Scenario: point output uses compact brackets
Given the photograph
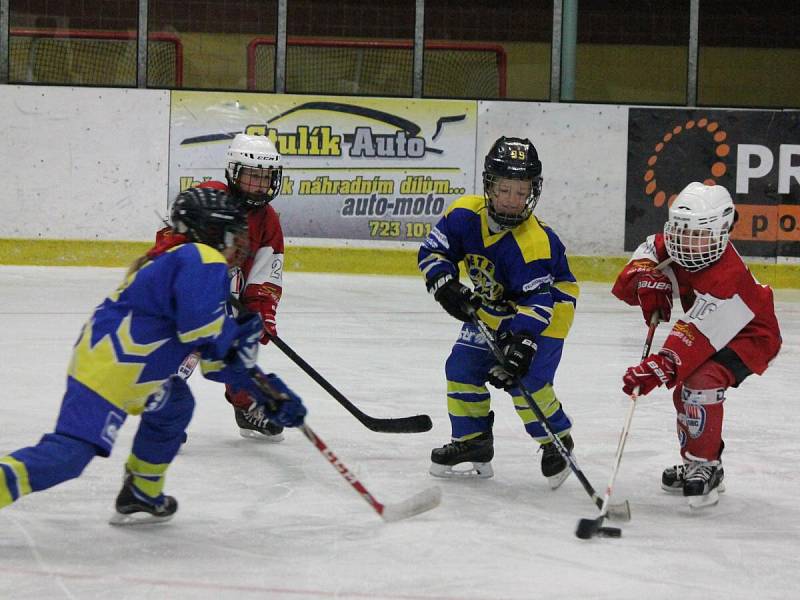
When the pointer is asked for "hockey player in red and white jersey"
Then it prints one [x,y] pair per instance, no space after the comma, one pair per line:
[254,175]
[728,332]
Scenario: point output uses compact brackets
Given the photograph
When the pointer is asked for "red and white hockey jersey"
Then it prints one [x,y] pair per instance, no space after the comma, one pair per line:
[260,283]
[724,306]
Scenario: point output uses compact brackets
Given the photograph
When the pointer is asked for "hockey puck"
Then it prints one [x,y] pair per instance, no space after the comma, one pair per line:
[587,528]
[612,532]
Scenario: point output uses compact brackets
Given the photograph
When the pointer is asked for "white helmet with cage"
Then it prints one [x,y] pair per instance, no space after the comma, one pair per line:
[254,171]
[699,225]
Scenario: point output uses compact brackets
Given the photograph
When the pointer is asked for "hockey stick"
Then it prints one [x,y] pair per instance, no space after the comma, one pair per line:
[418,503]
[619,511]
[415,424]
[588,528]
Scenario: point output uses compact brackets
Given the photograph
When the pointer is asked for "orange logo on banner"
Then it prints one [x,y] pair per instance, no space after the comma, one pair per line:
[716,170]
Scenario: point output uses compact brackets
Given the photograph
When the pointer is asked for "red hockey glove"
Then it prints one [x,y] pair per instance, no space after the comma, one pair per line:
[654,291]
[268,316]
[263,298]
[653,371]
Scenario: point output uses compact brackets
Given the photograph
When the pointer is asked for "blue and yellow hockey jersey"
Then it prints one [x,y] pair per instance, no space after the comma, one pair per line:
[522,275]
[138,336]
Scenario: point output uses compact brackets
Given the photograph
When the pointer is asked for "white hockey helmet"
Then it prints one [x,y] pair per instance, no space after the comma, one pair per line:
[699,225]
[254,170]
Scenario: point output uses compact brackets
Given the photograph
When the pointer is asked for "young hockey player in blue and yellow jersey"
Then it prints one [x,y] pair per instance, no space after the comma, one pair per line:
[173,302]
[522,289]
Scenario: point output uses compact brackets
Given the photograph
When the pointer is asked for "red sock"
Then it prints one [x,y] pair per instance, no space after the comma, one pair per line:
[699,404]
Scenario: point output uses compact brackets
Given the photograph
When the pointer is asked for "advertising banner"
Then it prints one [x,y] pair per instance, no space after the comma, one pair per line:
[583,149]
[754,154]
[354,168]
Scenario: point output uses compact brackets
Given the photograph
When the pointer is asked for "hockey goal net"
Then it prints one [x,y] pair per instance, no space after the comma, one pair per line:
[88,57]
[379,67]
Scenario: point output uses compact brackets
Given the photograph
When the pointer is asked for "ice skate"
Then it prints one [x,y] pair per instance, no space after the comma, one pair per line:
[554,467]
[133,508]
[703,483]
[672,479]
[255,425]
[478,452]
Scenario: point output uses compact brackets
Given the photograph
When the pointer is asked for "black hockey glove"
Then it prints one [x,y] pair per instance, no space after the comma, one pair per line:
[519,351]
[456,298]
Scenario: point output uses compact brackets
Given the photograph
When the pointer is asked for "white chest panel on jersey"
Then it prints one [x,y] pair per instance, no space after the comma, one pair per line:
[719,319]
[267,268]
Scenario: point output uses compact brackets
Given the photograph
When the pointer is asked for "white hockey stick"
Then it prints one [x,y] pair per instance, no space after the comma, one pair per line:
[588,528]
[418,503]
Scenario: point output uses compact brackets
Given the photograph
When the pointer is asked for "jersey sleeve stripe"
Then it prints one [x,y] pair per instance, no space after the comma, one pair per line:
[209,330]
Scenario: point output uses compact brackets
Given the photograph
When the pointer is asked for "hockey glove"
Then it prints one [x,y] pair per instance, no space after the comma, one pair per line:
[653,371]
[456,298]
[519,351]
[280,404]
[264,298]
[654,291]
[284,406]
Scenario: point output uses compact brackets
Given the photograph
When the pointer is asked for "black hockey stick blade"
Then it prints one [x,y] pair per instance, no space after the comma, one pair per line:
[413,424]
[589,528]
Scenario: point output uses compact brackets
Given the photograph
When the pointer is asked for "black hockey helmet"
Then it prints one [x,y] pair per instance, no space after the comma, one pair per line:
[512,158]
[209,216]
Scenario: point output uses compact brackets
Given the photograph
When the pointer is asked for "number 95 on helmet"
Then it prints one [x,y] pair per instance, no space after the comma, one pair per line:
[512,181]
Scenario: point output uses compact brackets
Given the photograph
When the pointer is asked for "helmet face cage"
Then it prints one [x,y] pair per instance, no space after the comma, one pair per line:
[254,170]
[699,225]
[506,220]
[694,249]
[512,158]
[263,183]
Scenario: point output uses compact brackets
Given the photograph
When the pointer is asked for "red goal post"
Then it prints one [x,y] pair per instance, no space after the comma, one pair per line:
[380,67]
[92,57]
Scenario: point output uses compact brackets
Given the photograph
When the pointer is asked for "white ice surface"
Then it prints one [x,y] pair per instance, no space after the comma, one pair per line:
[276,521]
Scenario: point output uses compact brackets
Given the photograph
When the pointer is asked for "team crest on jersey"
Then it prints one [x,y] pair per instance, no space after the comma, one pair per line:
[481,271]
[111,428]
[695,419]
[156,401]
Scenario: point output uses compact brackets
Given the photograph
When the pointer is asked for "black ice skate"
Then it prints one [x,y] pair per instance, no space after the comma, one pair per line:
[133,508]
[479,451]
[703,483]
[672,479]
[255,425]
[554,467]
